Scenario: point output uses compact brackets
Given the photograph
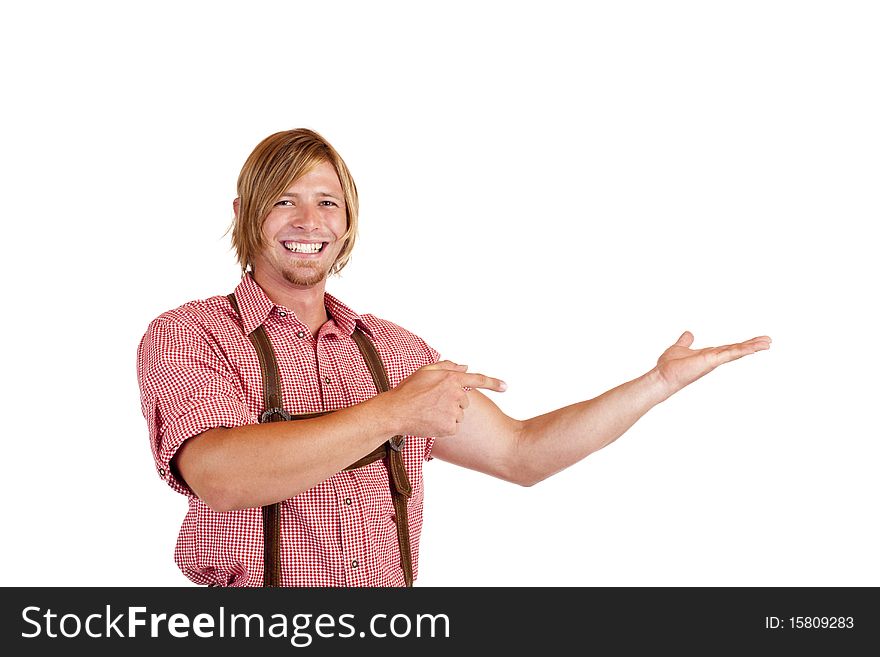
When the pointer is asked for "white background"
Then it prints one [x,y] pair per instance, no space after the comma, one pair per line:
[551,192]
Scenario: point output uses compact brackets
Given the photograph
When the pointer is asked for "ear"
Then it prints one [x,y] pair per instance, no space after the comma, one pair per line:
[236,202]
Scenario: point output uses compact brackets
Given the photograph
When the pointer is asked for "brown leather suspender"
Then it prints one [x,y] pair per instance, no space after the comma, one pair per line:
[390,450]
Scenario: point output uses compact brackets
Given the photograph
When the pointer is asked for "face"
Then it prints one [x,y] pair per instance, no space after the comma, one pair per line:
[302,234]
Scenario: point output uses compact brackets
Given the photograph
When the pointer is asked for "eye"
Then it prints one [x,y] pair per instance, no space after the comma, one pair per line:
[329,204]
[284,204]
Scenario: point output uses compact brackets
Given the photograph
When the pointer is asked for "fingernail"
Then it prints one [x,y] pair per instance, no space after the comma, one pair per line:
[503,386]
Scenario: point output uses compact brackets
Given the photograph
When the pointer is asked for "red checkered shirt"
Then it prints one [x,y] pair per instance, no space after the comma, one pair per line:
[198,370]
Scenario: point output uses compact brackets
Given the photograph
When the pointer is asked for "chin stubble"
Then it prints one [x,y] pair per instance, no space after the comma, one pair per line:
[312,276]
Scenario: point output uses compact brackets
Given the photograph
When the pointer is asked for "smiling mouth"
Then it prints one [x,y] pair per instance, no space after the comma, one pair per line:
[304,247]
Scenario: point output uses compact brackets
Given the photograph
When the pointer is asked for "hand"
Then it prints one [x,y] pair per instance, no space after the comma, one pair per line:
[680,365]
[431,401]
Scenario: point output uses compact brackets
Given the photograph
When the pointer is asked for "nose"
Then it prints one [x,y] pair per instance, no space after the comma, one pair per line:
[308,218]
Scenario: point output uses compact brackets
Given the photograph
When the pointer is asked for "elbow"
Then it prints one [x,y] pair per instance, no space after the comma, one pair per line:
[528,479]
[222,498]
[223,507]
[220,501]
[220,493]
[210,488]
[215,495]
[522,469]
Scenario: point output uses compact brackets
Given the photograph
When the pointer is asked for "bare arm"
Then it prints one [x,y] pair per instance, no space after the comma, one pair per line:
[526,452]
[260,464]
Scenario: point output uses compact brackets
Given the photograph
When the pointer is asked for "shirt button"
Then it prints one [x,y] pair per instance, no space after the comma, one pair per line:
[326,379]
[281,313]
[300,334]
[161,472]
[348,501]
[354,564]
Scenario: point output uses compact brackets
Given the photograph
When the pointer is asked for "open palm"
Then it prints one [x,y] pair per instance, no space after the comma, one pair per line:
[680,365]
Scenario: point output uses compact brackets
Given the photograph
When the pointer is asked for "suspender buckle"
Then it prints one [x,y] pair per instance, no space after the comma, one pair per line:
[397,447]
[269,412]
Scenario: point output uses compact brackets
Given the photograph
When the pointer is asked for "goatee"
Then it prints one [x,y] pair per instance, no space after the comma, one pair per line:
[304,275]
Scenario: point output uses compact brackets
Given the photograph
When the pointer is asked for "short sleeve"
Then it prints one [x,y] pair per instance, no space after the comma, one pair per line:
[186,389]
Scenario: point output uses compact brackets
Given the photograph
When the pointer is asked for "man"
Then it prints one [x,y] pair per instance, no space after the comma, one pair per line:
[335,498]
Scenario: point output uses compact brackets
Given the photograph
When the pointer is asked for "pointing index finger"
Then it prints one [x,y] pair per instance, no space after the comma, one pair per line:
[474,380]
[446,365]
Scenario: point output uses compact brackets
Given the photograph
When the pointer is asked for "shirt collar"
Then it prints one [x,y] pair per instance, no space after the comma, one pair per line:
[255,308]
[346,319]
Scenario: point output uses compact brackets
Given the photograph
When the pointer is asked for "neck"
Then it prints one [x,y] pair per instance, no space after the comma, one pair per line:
[306,302]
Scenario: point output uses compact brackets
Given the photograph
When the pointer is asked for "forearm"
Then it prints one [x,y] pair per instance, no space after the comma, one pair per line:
[260,464]
[551,442]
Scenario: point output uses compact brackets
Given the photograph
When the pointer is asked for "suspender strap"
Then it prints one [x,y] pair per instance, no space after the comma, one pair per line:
[391,450]
[274,413]
[399,482]
[380,378]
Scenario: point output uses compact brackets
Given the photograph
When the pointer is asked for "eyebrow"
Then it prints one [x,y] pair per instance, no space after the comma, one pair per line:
[333,196]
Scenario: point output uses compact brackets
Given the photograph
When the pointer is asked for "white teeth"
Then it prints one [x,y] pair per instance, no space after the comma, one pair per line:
[297,247]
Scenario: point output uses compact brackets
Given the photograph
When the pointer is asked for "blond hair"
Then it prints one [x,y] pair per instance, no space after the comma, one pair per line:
[274,165]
